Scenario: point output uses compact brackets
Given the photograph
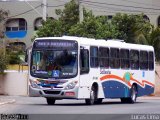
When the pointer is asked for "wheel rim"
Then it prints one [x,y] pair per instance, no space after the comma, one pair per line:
[92,97]
[134,95]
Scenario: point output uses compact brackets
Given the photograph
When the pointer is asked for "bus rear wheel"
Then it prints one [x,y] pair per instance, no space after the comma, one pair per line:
[124,100]
[98,101]
[50,101]
[133,96]
[92,98]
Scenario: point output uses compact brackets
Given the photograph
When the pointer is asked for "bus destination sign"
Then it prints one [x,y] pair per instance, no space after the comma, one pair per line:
[55,44]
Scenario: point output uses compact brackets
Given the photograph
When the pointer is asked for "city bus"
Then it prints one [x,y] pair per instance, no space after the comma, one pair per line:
[70,67]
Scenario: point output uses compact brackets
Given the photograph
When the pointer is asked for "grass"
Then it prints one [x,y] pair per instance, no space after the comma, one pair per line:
[16,67]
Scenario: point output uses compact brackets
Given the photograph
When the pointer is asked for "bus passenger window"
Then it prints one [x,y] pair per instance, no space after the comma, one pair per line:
[124,56]
[143,60]
[84,61]
[151,61]
[104,57]
[134,59]
[114,58]
[94,57]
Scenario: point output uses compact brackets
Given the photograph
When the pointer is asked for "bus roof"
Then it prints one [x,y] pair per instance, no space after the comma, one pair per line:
[101,42]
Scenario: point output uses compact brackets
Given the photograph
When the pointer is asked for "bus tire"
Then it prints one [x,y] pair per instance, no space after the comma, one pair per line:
[50,101]
[92,98]
[133,97]
[124,100]
[98,101]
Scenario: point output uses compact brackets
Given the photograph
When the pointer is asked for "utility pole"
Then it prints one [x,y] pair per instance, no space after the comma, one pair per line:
[44,10]
[80,11]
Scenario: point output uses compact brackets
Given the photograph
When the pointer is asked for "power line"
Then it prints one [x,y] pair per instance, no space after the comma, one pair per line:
[114,9]
[118,9]
[116,12]
[25,12]
[56,5]
[120,5]
[142,3]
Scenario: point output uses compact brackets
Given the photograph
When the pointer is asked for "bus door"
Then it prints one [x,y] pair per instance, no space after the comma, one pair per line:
[84,72]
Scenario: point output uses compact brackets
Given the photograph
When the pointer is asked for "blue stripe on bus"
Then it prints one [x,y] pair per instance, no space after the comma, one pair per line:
[115,89]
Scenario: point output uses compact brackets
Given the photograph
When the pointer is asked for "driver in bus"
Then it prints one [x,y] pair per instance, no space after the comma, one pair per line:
[42,64]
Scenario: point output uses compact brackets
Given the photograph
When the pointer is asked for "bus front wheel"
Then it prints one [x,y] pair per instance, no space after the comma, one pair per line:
[92,98]
[50,101]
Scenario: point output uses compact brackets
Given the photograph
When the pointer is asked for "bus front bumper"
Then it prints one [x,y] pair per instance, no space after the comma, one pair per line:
[54,93]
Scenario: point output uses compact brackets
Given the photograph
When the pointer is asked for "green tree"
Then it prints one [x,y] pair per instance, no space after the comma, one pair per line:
[51,28]
[154,40]
[3,61]
[3,58]
[67,18]
[3,16]
[70,15]
[94,27]
[132,28]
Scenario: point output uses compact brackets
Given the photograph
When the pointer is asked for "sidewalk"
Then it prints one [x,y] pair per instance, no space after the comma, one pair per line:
[150,97]
[6,101]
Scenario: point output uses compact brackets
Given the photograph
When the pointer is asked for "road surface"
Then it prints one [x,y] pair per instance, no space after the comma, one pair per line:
[38,105]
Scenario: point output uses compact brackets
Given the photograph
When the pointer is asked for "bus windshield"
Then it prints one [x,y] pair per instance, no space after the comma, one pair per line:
[54,63]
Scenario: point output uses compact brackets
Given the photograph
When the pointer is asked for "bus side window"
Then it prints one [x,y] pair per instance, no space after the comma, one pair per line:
[134,59]
[114,60]
[84,61]
[151,61]
[104,57]
[93,57]
[124,55]
[143,60]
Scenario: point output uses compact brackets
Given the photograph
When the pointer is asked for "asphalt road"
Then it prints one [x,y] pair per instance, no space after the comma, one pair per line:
[77,109]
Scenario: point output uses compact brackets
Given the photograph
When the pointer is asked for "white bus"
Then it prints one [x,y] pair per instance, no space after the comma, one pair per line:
[83,68]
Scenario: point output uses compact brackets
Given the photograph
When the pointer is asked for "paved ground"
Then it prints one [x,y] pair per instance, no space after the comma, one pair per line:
[77,109]
[6,100]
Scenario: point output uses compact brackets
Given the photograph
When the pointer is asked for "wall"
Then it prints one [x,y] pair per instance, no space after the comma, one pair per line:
[14,83]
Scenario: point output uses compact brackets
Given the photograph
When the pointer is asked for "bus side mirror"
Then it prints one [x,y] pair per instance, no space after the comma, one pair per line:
[26,56]
[84,61]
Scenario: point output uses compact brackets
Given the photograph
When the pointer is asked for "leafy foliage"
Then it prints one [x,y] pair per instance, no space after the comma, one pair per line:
[14,54]
[154,40]
[94,27]
[67,18]
[3,16]
[132,28]
[51,28]
[3,61]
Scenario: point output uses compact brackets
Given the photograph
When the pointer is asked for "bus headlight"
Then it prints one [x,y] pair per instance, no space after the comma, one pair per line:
[34,84]
[71,85]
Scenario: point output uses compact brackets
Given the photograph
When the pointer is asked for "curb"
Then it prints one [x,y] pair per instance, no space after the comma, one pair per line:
[149,97]
[7,102]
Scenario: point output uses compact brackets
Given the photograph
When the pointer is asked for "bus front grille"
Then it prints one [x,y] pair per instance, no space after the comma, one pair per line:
[52,92]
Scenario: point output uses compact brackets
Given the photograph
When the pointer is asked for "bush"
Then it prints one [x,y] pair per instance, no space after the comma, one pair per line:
[3,61]
[14,58]
[14,54]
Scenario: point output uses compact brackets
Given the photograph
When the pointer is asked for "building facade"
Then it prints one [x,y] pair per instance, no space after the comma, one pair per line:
[25,16]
